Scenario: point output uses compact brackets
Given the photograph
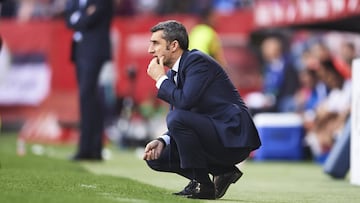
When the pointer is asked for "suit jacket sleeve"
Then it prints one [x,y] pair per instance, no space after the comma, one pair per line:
[195,75]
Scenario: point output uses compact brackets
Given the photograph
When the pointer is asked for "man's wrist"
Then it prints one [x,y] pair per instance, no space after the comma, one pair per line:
[161,140]
[166,138]
[160,81]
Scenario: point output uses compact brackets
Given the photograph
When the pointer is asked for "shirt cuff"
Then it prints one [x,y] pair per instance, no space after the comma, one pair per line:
[74,18]
[160,81]
[166,138]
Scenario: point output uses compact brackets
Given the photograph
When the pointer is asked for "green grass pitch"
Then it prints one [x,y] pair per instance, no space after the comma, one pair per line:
[50,177]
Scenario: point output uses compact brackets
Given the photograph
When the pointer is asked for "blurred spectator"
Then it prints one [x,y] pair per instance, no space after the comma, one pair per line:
[204,37]
[332,112]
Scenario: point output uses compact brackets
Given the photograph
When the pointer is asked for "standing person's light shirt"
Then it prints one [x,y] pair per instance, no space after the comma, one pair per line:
[75,18]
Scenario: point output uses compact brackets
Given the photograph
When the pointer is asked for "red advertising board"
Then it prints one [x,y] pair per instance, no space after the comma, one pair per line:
[284,12]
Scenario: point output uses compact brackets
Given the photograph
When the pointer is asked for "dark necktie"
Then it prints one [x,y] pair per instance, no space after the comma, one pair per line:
[173,74]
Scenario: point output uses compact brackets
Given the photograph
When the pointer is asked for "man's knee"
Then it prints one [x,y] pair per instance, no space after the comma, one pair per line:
[175,119]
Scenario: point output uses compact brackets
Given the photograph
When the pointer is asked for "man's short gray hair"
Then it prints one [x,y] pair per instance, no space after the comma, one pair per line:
[173,30]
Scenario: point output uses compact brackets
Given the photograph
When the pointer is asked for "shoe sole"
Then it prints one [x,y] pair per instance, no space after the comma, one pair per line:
[234,179]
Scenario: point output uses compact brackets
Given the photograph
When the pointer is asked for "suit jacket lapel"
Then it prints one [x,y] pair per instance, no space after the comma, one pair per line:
[181,69]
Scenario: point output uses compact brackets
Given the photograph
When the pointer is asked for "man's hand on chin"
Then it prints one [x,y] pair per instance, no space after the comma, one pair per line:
[156,68]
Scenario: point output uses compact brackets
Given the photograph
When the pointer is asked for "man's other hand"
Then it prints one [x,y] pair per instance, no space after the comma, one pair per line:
[153,150]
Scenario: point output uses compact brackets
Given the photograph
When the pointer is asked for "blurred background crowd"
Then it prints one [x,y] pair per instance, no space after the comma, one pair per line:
[48,9]
[303,71]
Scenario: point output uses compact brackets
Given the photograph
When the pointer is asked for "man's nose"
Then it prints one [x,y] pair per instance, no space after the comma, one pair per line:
[151,50]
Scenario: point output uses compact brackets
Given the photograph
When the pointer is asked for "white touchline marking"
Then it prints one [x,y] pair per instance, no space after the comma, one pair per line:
[88,186]
[121,199]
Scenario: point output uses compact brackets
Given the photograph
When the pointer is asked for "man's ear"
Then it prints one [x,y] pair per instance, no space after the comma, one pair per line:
[174,46]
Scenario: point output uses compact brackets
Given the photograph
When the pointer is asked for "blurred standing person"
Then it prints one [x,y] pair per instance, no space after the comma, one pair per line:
[204,37]
[91,21]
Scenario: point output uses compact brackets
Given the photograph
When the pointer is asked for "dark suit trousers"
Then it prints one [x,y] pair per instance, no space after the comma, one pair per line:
[91,112]
[195,144]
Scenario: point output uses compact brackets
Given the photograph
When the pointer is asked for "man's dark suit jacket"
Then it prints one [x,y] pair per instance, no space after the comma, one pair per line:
[203,87]
[95,43]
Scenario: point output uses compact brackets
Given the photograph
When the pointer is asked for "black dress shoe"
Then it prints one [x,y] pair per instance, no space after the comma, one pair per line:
[79,157]
[203,191]
[223,181]
[188,190]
